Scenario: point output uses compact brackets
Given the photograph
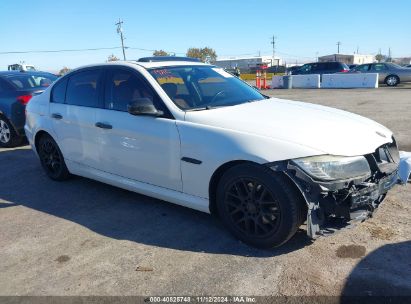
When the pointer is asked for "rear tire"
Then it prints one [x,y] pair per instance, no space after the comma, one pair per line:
[392,80]
[52,159]
[258,206]
[8,136]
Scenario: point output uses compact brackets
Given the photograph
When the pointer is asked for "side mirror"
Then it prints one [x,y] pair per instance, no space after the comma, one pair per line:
[143,106]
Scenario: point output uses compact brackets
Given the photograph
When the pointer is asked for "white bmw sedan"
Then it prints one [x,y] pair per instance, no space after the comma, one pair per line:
[194,135]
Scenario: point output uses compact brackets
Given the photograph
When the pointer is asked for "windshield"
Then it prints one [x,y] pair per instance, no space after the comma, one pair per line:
[203,87]
[23,81]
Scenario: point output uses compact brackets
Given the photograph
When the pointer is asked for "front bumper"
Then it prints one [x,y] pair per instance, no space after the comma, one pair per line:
[337,204]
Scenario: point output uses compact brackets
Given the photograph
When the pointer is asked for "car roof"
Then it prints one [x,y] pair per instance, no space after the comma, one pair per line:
[324,62]
[158,64]
[20,73]
[167,58]
[146,65]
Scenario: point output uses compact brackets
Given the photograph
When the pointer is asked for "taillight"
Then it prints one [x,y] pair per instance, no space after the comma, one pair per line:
[24,99]
[344,71]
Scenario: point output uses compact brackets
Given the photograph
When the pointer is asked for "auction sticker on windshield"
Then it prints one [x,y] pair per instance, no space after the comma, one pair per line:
[222,72]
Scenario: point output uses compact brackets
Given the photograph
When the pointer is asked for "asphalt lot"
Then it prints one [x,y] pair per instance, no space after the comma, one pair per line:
[82,237]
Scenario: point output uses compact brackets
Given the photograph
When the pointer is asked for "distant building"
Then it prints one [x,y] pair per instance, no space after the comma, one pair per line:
[348,59]
[402,60]
[247,62]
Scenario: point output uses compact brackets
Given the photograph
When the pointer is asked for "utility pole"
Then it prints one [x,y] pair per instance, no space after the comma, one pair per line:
[120,31]
[358,49]
[338,47]
[273,43]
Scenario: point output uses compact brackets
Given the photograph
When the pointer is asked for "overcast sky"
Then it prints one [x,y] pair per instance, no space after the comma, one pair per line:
[231,27]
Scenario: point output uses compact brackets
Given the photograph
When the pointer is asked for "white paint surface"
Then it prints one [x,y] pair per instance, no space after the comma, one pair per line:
[349,80]
[311,81]
[277,82]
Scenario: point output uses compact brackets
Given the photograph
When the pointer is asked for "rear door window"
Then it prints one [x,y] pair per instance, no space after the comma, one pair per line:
[362,68]
[83,88]
[333,66]
[378,67]
[306,68]
[315,67]
[58,95]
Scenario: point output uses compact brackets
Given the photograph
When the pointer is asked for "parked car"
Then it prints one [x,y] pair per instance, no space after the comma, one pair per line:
[389,73]
[291,70]
[16,89]
[322,68]
[408,66]
[194,135]
[352,66]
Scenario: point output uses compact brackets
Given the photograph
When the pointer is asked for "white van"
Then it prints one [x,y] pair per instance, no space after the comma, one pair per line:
[21,67]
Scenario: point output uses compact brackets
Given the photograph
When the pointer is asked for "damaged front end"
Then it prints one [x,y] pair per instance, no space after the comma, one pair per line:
[335,200]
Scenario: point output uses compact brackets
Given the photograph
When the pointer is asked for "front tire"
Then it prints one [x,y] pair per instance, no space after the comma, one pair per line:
[52,159]
[392,80]
[258,206]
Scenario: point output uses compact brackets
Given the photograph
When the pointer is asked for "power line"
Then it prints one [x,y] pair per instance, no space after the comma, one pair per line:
[59,51]
[139,49]
[79,50]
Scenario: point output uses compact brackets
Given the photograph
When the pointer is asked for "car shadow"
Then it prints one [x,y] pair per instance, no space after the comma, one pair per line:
[382,276]
[121,214]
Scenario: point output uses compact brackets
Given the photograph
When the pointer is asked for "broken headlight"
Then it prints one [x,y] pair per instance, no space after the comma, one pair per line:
[330,167]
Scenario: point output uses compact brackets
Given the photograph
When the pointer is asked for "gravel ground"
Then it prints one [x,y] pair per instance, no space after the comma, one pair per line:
[82,237]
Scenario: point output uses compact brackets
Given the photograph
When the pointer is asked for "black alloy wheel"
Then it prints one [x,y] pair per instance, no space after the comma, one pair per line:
[252,207]
[260,207]
[51,158]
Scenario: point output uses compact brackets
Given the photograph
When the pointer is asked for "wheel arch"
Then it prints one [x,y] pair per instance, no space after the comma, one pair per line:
[219,172]
[38,135]
[215,178]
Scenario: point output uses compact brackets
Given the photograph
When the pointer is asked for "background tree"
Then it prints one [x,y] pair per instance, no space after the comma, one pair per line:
[63,71]
[112,57]
[160,53]
[380,57]
[203,54]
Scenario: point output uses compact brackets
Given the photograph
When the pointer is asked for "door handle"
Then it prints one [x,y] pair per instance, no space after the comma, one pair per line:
[56,116]
[103,125]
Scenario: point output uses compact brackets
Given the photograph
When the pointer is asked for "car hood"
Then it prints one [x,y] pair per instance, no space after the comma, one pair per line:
[325,129]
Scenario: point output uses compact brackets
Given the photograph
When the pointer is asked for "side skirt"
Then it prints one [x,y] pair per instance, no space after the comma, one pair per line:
[172,196]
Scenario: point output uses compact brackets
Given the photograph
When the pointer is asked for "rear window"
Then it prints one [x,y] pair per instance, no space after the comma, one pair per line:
[333,66]
[25,81]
